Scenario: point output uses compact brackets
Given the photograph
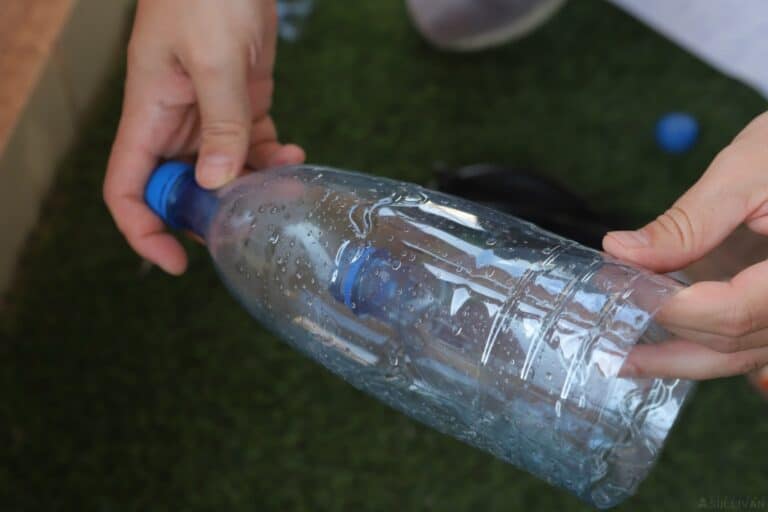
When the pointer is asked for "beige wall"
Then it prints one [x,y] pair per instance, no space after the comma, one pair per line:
[54,56]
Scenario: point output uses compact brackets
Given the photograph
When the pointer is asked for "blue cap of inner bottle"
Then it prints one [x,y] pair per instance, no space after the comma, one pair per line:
[162,182]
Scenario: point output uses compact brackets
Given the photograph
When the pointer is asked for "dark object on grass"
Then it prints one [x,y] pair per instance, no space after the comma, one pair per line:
[530,196]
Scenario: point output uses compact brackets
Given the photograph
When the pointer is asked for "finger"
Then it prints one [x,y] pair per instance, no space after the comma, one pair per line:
[288,154]
[735,309]
[220,79]
[132,160]
[266,151]
[689,360]
[722,342]
[729,192]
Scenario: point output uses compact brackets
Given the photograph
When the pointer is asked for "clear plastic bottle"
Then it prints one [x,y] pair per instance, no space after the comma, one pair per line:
[476,323]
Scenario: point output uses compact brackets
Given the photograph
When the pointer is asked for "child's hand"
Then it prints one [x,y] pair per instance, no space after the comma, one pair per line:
[199,82]
[722,326]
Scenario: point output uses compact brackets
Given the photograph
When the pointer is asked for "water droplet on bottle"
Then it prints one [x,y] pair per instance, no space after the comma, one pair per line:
[548,375]
[491,242]
[273,210]
[274,238]
[396,264]
[582,401]
[261,209]
[558,408]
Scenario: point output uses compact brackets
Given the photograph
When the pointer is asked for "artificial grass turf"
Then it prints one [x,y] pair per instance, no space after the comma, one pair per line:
[122,391]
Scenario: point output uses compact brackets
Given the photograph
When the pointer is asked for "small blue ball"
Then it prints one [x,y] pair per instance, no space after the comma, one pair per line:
[676,132]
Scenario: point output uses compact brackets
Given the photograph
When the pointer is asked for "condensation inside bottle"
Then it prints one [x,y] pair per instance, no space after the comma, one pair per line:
[476,323]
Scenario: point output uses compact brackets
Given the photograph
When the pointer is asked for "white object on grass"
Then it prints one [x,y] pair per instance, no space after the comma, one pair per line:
[732,36]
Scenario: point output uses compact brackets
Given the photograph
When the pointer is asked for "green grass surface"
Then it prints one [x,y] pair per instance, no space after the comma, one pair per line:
[121,391]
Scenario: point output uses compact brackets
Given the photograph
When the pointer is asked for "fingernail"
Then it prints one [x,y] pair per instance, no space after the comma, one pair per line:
[217,169]
[279,160]
[763,378]
[631,239]
[628,371]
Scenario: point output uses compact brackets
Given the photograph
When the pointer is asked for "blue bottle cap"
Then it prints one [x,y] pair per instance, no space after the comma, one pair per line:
[162,182]
[676,132]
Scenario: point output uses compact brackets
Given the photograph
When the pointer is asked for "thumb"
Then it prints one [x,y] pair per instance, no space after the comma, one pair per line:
[697,223]
[221,86]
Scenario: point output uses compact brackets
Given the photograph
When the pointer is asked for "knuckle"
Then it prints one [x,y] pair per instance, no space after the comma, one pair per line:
[677,223]
[737,322]
[207,63]
[224,129]
[133,51]
[738,364]
[137,50]
[729,345]
[108,195]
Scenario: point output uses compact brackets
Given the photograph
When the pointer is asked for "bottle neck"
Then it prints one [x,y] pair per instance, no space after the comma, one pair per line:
[191,207]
